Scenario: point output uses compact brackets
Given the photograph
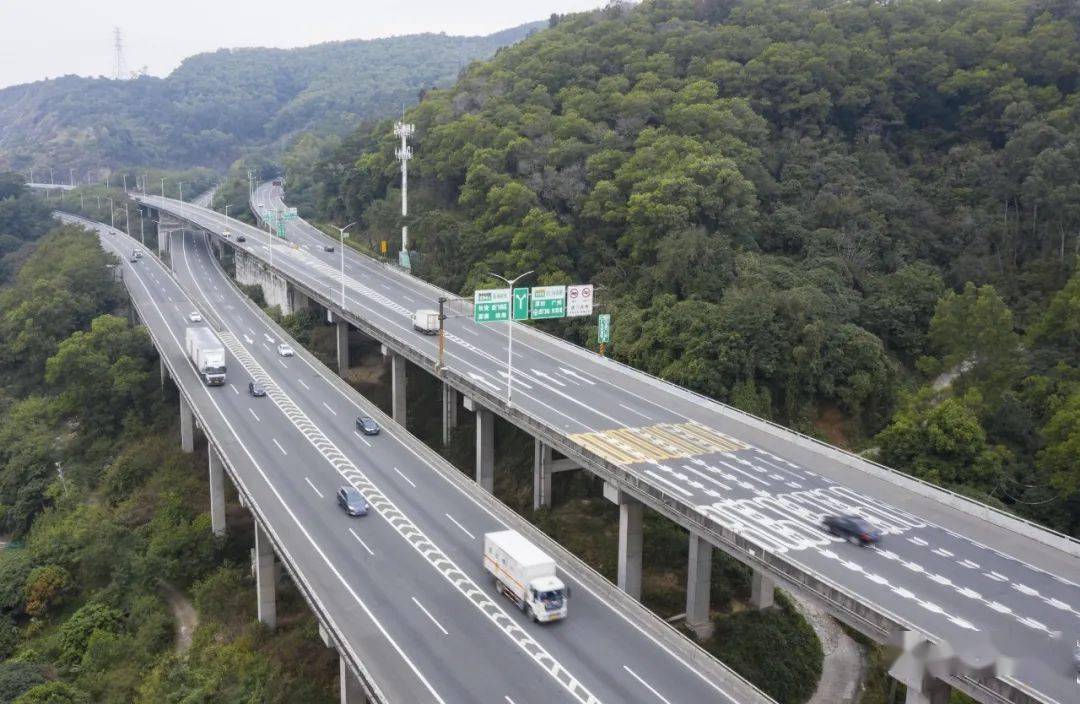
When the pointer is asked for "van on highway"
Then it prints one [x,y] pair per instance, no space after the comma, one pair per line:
[426,321]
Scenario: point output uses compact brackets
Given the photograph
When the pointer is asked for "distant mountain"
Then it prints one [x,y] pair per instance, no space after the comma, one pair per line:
[215,105]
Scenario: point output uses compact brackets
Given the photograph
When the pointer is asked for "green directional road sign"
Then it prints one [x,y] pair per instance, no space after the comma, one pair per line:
[548,302]
[521,304]
[491,305]
[603,333]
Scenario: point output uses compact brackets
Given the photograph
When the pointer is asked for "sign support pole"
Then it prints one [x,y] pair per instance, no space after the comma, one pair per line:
[510,335]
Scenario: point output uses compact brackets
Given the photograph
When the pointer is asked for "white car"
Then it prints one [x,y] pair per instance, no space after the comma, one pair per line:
[195,316]
[285,350]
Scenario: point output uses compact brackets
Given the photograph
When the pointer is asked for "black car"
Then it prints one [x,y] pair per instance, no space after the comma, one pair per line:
[352,501]
[241,238]
[367,425]
[256,389]
[328,248]
[854,528]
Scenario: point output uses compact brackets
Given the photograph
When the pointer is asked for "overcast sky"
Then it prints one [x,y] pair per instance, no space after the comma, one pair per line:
[50,38]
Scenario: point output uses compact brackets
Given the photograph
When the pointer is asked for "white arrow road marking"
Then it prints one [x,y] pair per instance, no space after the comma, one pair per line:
[481,380]
[552,379]
[571,372]
[519,382]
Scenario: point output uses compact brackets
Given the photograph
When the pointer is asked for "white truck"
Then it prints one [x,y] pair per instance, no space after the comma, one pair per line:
[206,352]
[526,575]
[426,321]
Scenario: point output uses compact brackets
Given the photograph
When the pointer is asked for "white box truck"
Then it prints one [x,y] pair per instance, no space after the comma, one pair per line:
[426,321]
[526,575]
[206,352]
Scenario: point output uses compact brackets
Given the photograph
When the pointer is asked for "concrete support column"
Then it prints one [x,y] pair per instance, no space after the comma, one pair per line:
[397,386]
[265,578]
[187,426]
[351,693]
[541,474]
[697,587]
[485,445]
[762,589]
[342,346]
[164,372]
[450,412]
[628,573]
[217,491]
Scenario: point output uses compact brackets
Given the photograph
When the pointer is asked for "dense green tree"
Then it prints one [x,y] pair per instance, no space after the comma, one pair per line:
[16,677]
[55,692]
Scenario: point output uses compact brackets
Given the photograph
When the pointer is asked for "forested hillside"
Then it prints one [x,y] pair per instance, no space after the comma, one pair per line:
[104,522]
[214,105]
[859,218]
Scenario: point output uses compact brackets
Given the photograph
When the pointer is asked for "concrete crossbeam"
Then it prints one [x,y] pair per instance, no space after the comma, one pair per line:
[265,578]
[217,491]
[698,582]
[187,426]
[628,572]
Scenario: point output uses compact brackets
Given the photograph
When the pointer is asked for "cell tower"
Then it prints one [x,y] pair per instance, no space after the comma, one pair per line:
[404,153]
[118,46]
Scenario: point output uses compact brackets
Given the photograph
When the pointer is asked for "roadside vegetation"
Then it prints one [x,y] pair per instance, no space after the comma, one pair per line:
[101,507]
[860,219]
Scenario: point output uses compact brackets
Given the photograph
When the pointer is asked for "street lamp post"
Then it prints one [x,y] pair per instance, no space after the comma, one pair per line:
[510,334]
[112,213]
[341,233]
[72,176]
[181,199]
[225,220]
[162,188]
[142,232]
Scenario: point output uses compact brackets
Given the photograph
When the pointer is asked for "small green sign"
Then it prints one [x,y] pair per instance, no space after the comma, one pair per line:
[548,302]
[603,333]
[521,304]
[491,305]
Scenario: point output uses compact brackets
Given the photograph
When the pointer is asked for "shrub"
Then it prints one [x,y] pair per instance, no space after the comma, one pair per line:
[77,630]
[222,596]
[44,588]
[9,636]
[17,677]
[775,649]
[53,693]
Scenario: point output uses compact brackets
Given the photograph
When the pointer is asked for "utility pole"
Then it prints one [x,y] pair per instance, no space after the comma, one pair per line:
[118,47]
[510,334]
[404,153]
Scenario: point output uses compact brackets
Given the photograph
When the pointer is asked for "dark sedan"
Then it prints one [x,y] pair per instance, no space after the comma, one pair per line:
[352,501]
[367,425]
[854,529]
[256,389]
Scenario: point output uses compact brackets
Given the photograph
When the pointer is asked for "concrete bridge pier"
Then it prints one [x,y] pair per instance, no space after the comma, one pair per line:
[265,578]
[164,372]
[397,386]
[450,412]
[917,664]
[628,573]
[698,582]
[187,426]
[342,344]
[762,591]
[276,288]
[485,445]
[217,490]
[351,692]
